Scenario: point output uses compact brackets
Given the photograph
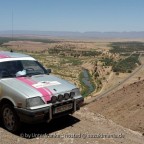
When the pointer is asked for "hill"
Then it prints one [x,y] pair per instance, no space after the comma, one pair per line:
[125,107]
[74,35]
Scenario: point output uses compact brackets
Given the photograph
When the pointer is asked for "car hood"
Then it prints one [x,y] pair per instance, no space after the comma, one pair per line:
[39,85]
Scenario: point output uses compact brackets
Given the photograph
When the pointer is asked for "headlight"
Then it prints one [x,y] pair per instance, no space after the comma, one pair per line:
[72,94]
[36,101]
[60,97]
[53,99]
[75,92]
[66,96]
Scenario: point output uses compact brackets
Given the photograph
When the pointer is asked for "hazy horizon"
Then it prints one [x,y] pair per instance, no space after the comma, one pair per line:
[70,34]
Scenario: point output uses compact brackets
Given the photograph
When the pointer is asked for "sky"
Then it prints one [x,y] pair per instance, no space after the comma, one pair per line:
[72,15]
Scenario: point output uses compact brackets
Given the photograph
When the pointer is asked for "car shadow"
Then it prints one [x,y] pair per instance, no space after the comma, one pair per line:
[38,130]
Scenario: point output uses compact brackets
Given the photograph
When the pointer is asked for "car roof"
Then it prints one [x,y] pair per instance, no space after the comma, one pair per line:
[8,56]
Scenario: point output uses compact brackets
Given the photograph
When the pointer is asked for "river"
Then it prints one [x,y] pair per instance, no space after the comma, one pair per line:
[86,80]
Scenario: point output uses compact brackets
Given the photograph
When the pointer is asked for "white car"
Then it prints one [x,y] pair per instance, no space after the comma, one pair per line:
[29,93]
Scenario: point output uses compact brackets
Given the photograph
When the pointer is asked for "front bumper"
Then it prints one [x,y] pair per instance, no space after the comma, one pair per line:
[46,114]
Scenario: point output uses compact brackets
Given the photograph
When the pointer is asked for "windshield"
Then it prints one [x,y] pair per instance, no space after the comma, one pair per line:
[20,68]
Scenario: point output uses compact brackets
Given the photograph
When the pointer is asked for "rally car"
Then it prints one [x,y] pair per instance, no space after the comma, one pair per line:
[30,94]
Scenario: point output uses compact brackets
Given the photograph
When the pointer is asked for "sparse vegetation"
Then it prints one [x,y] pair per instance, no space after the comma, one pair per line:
[126,65]
[71,51]
[126,47]
[7,39]
[108,62]
[70,60]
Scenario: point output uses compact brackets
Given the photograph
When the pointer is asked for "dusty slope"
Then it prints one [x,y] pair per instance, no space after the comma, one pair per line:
[84,122]
[125,107]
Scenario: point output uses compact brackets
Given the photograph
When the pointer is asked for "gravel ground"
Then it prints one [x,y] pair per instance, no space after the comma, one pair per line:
[83,127]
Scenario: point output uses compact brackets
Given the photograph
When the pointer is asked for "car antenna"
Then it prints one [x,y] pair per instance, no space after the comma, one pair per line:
[12,30]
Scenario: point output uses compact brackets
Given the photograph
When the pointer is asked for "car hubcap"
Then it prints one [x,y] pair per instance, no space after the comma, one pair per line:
[8,118]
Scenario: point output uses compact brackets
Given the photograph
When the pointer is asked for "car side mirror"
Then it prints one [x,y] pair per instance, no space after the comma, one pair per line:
[48,71]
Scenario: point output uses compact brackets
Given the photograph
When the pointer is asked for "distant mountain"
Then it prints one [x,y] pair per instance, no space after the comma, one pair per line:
[68,34]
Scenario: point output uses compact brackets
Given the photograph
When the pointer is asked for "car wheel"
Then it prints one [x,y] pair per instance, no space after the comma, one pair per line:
[10,119]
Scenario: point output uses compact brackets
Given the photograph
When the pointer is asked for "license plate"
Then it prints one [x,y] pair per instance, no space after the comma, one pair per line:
[63,108]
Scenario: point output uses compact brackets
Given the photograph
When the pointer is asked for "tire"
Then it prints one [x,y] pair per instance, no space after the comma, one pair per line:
[10,119]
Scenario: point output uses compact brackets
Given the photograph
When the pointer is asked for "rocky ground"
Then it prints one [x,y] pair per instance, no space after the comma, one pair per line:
[125,107]
[83,127]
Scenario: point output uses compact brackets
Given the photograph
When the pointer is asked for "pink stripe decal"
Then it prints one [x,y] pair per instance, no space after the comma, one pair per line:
[46,93]
[46,89]
[4,56]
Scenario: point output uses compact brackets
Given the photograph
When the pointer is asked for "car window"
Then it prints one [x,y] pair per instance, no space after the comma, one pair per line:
[10,68]
[31,65]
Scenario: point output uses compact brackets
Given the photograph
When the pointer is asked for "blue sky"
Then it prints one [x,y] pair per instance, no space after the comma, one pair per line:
[72,15]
